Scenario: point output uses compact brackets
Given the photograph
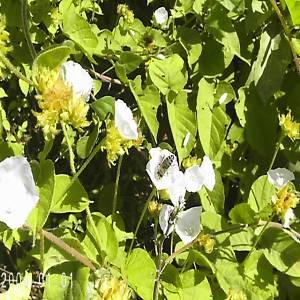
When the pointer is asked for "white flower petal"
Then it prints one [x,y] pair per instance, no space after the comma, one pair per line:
[78,78]
[188,225]
[208,173]
[288,217]
[161,15]
[124,121]
[177,189]
[160,56]
[193,179]
[280,177]
[18,192]
[164,217]
[158,155]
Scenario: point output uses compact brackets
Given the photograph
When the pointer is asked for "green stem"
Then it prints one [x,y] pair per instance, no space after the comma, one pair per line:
[281,136]
[116,187]
[141,218]
[91,220]
[25,27]
[14,70]
[71,153]
[158,271]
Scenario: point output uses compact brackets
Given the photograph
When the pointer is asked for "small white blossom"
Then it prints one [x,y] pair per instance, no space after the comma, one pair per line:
[161,15]
[280,177]
[288,218]
[124,121]
[18,192]
[155,166]
[186,223]
[195,177]
[160,56]
[77,78]
[177,189]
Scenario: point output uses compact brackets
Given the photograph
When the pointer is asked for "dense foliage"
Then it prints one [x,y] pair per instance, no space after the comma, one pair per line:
[199,81]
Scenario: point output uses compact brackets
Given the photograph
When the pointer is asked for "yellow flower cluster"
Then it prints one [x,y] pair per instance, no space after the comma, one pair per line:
[116,145]
[289,126]
[207,242]
[124,11]
[4,42]
[58,103]
[285,200]
[112,288]
[235,294]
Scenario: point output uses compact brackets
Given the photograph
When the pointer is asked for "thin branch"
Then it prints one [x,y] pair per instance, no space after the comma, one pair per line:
[105,78]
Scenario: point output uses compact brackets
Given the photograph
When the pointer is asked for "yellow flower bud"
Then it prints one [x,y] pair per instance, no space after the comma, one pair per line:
[236,294]
[289,126]
[154,208]
[112,288]
[207,242]
[191,161]
[124,11]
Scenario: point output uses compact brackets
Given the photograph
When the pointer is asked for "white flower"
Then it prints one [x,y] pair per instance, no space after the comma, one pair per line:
[280,177]
[288,217]
[177,189]
[162,168]
[195,177]
[18,192]
[77,78]
[161,15]
[124,121]
[186,223]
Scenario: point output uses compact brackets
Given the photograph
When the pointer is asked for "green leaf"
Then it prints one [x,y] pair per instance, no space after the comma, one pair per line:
[148,101]
[224,93]
[80,31]
[212,121]
[52,57]
[261,193]
[220,26]
[294,8]
[183,124]
[282,251]
[270,66]
[44,178]
[141,279]
[130,61]
[242,213]
[73,200]
[168,74]
[104,106]
[106,245]
[213,200]
[20,291]
[242,240]
[86,144]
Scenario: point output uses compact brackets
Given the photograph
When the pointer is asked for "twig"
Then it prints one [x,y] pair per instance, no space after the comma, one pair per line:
[287,33]
[114,206]
[105,78]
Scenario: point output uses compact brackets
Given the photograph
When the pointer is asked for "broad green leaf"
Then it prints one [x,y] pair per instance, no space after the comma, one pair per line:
[85,144]
[140,271]
[44,178]
[235,7]
[224,93]
[67,281]
[168,74]
[240,107]
[20,291]
[261,193]
[261,125]
[296,44]
[242,239]
[213,200]
[79,31]
[183,124]
[102,243]
[52,57]
[190,40]
[294,8]
[195,286]
[104,106]
[73,200]
[148,101]
[242,213]
[212,121]
[130,61]
[282,251]
[221,27]
[270,66]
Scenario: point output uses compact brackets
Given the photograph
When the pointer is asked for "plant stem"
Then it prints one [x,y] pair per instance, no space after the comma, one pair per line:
[14,70]
[25,27]
[91,220]
[73,252]
[116,187]
[141,218]
[71,153]
[158,270]
[281,136]
[287,33]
